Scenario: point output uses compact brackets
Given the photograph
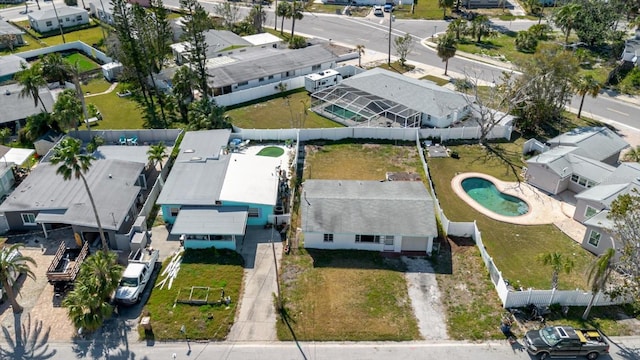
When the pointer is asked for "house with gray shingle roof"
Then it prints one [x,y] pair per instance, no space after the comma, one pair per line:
[16,108]
[8,32]
[354,214]
[46,20]
[400,100]
[576,160]
[10,65]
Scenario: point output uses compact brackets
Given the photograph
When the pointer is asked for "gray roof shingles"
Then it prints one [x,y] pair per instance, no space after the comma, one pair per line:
[367,207]
[598,143]
[15,107]
[62,11]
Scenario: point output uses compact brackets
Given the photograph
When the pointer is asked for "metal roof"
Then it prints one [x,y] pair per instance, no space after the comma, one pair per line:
[602,193]
[112,184]
[62,11]
[15,107]
[252,179]
[626,172]
[208,221]
[367,207]
[268,61]
[600,220]
[598,143]
[262,39]
[419,95]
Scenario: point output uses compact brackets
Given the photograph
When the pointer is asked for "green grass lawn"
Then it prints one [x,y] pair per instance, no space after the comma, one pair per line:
[84,63]
[88,36]
[437,80]
[96,85]
[424,9]
[501,239]
[117,113]
[279,113]
[345,296]
[204,268]
[272,151]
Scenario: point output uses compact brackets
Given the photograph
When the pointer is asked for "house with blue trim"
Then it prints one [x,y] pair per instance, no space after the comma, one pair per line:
[212,193]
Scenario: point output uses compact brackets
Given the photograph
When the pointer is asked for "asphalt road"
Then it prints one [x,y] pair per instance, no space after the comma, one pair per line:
[499,350]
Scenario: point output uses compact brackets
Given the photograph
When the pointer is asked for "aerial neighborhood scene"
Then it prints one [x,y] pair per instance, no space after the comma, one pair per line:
[318,179]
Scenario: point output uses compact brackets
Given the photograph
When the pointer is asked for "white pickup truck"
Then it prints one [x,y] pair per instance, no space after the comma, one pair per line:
[136,276]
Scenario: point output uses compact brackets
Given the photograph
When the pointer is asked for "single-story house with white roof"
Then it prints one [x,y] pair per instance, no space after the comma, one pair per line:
[212,194]
[354,214]
[46,20]
[219,43]
[400,100]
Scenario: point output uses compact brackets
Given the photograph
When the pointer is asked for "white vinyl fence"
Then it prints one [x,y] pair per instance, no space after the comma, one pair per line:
[382,133]
[239,97]
[512,298]
[74,45]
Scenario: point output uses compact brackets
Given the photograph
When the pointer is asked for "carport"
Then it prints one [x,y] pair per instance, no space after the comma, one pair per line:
[201,228]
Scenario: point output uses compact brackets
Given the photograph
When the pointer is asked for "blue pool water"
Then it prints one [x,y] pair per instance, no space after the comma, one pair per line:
[486,194]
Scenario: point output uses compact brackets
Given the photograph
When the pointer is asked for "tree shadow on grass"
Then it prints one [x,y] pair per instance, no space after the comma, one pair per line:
[354,259]
[30,341]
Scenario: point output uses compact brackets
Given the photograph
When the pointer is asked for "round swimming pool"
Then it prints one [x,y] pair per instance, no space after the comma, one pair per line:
[485,193]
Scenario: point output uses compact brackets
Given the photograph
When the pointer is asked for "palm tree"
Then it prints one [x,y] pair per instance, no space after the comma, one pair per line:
[458,27]
[284,11]
[360,50]
[5,132]
[13,262]
[586,85]
[87,304]
[444,5]
[74,164]
[598,275]
[566,18]
[296,14]
[157,153]
[55,68]
[67,110]
[446,49]
[632,155]
[31,80]
[558,263]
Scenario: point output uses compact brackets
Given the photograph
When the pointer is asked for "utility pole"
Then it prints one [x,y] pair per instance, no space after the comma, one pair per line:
[390,21]
[58,20]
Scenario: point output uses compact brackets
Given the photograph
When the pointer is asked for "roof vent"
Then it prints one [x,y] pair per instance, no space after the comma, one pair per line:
[189,151]
[110,176]
[196,158]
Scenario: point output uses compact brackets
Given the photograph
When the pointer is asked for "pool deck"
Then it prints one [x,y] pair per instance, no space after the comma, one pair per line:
[543,209]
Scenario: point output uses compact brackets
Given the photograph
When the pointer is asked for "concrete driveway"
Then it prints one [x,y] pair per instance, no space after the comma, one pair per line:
[256,320]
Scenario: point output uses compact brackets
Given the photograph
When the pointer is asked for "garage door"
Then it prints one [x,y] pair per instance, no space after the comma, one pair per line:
[414,243]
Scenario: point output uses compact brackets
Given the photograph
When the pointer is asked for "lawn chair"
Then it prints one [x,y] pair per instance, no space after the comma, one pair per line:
[134,141]
[123,140]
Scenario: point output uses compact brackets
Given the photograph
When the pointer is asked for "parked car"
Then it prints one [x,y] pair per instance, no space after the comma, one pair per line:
[565,341]
[136,276]
[377,10]
[388,7]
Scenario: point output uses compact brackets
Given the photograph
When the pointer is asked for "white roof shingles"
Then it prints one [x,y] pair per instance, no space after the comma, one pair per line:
[367,207]
[597,143]
[50,13]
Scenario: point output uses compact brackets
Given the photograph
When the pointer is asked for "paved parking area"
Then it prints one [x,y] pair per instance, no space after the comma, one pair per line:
[256,319]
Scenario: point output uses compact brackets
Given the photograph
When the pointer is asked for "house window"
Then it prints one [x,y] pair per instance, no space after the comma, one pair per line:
[60,21]
[582,182]
[244,83]
[174,211]
[48,23]
[28,219]
[328,238]
[575,178]
[367,239]
[315,67]
[79,17]
[590,212]
[67,19]
[594,238]
[261,79]
[253,212]
[591,184]
[387,239]
[270,77]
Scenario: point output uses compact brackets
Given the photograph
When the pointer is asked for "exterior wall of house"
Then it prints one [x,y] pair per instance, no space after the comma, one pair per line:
[104,16]
[263,212]
[581,209]
[206,244]
[604,242]
[543,179]
[432,121]
[14,219]
[417,243]
[281,76]
[46,25]
[315,240]
[6,181]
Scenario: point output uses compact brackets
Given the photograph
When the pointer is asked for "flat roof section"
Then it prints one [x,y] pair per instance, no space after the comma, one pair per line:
[208,221]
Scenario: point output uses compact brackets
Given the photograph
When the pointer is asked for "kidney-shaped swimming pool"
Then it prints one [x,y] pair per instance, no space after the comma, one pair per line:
[485,193]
